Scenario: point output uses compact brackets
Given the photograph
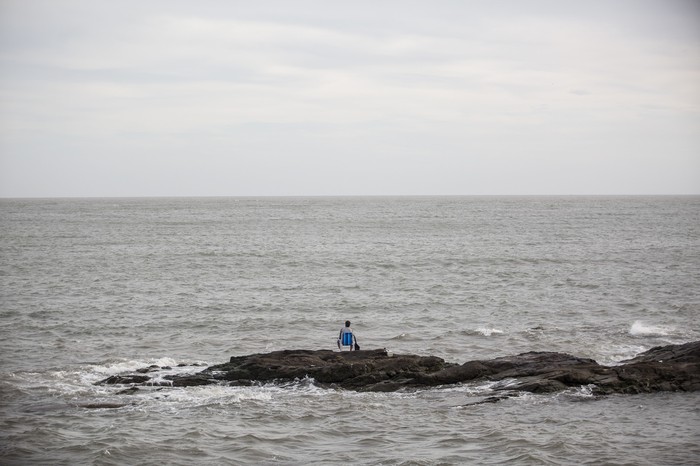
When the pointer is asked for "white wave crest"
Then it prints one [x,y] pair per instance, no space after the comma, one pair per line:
[487,332]
[165,366]
[213,395]
[641,329]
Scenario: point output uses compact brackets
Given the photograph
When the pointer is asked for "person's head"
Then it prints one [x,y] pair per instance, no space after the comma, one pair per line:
[347,323]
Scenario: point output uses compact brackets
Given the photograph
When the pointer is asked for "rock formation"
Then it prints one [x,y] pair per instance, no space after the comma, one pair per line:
[667,368]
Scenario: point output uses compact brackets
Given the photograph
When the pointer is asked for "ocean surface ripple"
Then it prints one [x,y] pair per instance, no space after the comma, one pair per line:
[96,287]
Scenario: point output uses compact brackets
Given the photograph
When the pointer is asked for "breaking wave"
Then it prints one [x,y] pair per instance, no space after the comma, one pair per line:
[487,332]
[641,329]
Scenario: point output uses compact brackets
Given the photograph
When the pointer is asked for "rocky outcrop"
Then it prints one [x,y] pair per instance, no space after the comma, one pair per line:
[668,368]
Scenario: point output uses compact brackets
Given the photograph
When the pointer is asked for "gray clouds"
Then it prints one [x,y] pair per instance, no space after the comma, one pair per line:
[286,98]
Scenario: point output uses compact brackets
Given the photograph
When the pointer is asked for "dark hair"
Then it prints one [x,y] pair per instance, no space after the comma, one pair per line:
[347,323]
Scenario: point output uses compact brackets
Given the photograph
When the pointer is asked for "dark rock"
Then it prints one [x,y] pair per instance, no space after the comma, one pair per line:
[190,380]
[688,352]
[668,368]
[102,405]
[124,379]
[129,391]
[358,370]
[488,399]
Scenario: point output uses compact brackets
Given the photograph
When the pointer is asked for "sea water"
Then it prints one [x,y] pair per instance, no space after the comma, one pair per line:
[96,287]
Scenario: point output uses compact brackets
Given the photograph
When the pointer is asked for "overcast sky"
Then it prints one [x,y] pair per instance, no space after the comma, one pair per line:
[243,98]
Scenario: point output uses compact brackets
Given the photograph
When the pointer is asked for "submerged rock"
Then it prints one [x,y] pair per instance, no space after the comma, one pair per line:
[668,368]
[124,379]
[102,405]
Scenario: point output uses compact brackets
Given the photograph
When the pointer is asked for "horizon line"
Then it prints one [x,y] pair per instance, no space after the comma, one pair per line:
[262,196]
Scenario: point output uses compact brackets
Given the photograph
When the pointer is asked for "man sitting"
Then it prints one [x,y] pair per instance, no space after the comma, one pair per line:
[347,339]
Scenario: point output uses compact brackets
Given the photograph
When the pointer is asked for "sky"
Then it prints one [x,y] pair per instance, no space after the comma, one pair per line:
[322,97]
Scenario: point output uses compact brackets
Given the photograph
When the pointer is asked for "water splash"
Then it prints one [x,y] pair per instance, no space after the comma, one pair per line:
[487,332]
[642,329]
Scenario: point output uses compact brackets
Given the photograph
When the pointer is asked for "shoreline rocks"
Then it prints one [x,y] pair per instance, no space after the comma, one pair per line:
[667,368]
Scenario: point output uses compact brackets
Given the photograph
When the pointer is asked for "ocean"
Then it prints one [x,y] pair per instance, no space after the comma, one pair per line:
[96,287]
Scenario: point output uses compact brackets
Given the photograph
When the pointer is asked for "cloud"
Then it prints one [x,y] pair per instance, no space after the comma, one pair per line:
[473,82]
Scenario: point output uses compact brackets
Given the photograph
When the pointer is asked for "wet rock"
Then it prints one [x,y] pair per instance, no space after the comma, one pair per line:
[129,391]
[102,405]
[124,379]
[668,368]
[487,400]
[358,370]
[190,380]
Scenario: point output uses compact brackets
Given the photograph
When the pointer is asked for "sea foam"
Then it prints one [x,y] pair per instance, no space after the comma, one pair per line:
[641,329]
[487,332]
